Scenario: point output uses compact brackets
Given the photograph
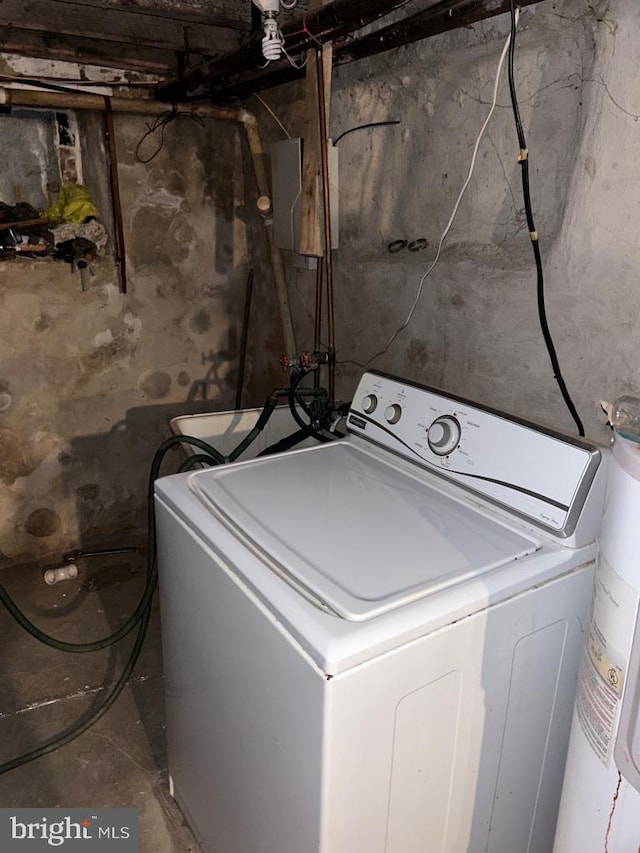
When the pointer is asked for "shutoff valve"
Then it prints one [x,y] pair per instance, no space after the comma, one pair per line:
[273,41]
[305,361]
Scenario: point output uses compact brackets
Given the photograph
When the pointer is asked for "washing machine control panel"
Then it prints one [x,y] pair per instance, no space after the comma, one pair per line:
[443,435]
[537,473]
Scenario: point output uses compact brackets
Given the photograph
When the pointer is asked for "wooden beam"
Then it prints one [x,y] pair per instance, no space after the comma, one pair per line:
[337,18]
[87,51]
[311,207]
[444,16]
[411,29]
[227,14]
[74,19]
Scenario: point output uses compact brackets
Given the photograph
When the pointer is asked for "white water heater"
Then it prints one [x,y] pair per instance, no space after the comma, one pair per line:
[600,807]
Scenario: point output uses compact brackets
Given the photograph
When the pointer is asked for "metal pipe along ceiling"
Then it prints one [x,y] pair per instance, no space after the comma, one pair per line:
[326,24]
[239,74]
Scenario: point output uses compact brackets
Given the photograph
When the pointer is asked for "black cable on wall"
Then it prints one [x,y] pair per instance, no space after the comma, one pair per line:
[523,159]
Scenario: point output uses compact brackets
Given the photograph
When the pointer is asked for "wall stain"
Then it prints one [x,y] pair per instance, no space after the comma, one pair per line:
[42,323]
[418,355]
[88,492]
[65,458]
[14,457]
[183,378]
[101,358]
[166,289]
[42,523]
[200,322]
[155,385]
[88,507]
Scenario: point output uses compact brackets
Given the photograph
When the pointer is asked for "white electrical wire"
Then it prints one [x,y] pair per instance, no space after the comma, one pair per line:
[297,66]
[455,208]
[273,115]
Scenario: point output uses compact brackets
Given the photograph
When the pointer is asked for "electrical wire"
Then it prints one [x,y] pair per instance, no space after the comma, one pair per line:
[364,127]
[160,123]
[297,66]
[447,228]
[273,115]
[523,159]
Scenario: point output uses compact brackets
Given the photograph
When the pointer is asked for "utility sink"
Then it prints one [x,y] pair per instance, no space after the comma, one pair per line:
[225,430]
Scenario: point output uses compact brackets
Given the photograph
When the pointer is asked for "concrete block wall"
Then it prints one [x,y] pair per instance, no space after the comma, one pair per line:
[475,331]
[89,381]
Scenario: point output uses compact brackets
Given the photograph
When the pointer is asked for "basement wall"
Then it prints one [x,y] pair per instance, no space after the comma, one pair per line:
[89,381]
[475,331]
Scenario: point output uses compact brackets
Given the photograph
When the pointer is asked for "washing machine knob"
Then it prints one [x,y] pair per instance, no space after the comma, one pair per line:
[370,404]
[444,435]
[393,413]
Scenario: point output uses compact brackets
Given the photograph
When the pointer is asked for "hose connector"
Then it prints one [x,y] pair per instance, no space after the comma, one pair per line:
[61,573]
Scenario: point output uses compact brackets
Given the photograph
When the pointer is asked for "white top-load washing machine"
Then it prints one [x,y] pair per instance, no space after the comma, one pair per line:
[372,645]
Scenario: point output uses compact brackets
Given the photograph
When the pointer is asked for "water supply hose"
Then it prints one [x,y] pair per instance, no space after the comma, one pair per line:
[142,614]
[213,457]
[308,428]
[63,646]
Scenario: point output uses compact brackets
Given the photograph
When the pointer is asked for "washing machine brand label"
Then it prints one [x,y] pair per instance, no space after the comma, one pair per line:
[81,830]
[357,422]
[605,659]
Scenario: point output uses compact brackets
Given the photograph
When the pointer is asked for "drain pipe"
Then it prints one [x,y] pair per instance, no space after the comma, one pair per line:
[140,106]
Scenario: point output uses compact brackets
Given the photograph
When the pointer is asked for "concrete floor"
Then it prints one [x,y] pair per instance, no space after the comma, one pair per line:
[121,761]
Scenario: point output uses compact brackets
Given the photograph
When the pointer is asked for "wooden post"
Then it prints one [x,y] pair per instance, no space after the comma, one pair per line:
[311,217]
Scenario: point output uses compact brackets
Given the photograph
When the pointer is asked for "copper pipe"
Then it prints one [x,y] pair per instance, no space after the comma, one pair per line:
[110,139]
[326,193]
[317,331]
[244,340]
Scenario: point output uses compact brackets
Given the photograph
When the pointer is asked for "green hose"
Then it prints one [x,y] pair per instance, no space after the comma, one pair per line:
[144,609]
[142,613]
[75,731]
[213,457]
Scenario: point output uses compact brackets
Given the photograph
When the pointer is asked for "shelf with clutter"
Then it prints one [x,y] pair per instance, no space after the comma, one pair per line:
[70,230]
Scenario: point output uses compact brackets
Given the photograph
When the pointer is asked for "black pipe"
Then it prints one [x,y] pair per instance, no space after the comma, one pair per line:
[436,20]
[244,340]
[445,16]
[317,322]
[327,23]
[308,428]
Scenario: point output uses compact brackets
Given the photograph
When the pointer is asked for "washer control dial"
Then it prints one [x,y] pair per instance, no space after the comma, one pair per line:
[370,404]
[393,413]
[444,435]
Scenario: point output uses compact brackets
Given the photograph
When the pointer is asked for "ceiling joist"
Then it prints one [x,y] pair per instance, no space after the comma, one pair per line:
[237,75]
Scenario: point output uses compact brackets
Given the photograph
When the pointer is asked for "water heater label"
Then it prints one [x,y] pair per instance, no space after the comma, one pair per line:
[605,659]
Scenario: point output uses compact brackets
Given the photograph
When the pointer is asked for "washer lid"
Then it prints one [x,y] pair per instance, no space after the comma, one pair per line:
[353,531]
